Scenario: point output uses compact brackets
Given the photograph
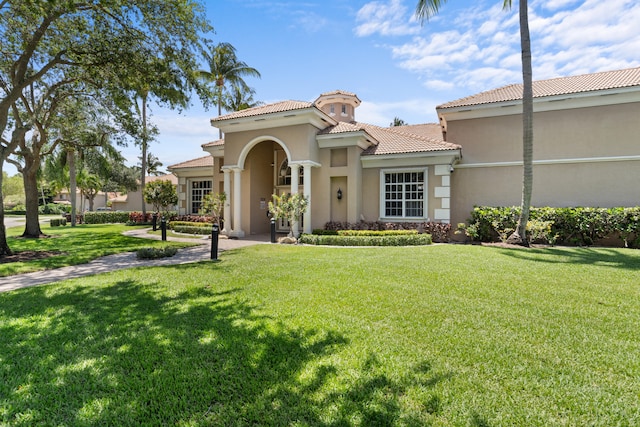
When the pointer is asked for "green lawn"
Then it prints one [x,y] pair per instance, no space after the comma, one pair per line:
[74,245]
[442,335]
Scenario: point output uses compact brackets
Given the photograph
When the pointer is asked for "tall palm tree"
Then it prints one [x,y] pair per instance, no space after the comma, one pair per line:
[225,67]
[426,9]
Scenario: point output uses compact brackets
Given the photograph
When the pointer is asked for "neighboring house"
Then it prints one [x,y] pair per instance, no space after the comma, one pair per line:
[132,201]
[586,152]
[82,203]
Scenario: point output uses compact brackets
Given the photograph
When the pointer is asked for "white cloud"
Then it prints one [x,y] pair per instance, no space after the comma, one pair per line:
[479,49]
[386,19]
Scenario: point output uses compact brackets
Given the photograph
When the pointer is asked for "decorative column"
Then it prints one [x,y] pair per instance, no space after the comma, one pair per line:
[443,192]
[237,203]
[227,203]
[306,191]
[295,171]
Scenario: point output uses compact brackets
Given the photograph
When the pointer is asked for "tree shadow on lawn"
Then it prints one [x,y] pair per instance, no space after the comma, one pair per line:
[128,354]
[627,259]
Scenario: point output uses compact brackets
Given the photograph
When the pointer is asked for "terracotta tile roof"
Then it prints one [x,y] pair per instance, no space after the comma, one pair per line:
[338,92]
[194,163]
[393,141]
[166,177]
[342,127]
[397,140]
[277,107]
[553,87]
[219,142]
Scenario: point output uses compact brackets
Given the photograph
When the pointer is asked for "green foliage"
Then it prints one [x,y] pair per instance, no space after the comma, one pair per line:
[439,231]
[213,205]
[12,190]
[581,226]
[412,239]
[190,227]
[288,206]
[54,209]
[57,222]
[376,232]
[106,217]
[161,194]
[155,253]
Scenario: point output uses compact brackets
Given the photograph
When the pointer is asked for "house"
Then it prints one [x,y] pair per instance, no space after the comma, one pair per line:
[348,170]
[587,152]
[132,200]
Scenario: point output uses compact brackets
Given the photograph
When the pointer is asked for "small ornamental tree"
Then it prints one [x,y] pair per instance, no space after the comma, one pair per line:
[161,194]
[290,207]
[213,204]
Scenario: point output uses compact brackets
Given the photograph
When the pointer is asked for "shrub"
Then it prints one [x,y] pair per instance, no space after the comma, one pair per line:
[385,240]
[57,222]
[376,232]
[569,226]
[106,217]
[155,253]
[191,227]
[53,209]
[439,231]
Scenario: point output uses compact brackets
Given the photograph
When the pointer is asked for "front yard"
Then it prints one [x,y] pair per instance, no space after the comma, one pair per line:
[441,335]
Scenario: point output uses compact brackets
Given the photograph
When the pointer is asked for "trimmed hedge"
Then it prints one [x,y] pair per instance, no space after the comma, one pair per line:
[155,253]
[191,227]
[106,217]
[576,226]
[57,222]
[440,232]
[385,240]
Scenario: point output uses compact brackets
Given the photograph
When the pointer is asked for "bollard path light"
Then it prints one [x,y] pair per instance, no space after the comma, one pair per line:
[215,231]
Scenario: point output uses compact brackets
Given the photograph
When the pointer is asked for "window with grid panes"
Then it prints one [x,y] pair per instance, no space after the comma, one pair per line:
[403,194]
[199,189]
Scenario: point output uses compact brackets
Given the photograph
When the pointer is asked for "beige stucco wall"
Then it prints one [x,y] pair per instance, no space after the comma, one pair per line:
[579,159]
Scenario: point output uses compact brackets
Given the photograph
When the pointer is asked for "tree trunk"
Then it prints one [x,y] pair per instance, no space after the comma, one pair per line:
[73,185]
[30,179]
[143,162]
[520,235]
[4,246]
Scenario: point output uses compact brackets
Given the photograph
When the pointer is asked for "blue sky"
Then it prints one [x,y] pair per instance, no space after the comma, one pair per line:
[397,67]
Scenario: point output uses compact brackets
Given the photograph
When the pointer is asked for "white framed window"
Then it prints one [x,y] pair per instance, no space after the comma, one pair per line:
[403,193]
[199,189]
[284,174]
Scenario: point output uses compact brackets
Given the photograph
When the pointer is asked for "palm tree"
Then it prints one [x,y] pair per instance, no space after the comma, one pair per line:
[240,97]
[225,67]
[428,8]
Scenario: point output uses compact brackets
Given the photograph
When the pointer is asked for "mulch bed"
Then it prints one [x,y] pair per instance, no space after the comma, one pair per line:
[26,256]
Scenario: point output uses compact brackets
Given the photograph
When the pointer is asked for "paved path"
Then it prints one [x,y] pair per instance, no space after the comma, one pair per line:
[124,260]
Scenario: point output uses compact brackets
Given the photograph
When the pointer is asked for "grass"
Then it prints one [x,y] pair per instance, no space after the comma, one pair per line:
[444,335]
[75,245]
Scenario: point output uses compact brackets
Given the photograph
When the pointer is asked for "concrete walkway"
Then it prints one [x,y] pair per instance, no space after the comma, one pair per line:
[201,252]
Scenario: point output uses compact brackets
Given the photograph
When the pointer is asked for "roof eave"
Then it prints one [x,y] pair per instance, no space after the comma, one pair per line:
[421,158]
[595,98]
[309,115]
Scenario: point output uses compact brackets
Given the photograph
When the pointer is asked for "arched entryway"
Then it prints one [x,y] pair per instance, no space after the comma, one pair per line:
[264,168]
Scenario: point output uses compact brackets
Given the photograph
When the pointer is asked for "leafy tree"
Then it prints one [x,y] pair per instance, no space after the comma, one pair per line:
[397,121]
[161,194]
[153,165]
[213,204]
[224,68]
[43,40]
[290,207]
[12,189]
[427,8]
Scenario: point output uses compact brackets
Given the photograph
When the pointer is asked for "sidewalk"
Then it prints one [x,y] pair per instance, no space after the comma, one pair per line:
[201,252]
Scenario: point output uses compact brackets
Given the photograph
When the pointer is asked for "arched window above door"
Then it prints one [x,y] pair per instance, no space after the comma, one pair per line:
[284,174]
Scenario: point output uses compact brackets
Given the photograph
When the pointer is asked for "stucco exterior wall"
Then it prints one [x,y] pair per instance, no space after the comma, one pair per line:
[582,157]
